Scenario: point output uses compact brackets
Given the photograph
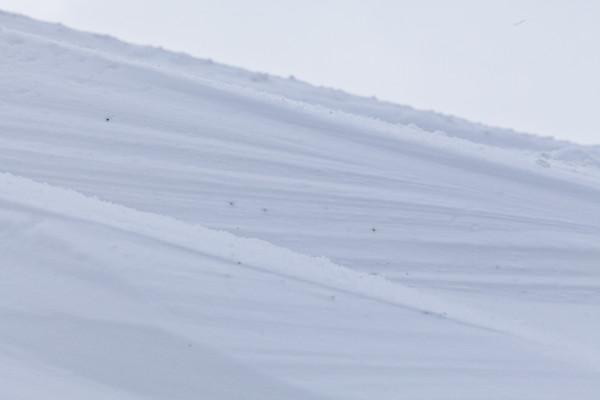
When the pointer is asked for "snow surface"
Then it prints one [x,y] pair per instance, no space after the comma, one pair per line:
[171,228]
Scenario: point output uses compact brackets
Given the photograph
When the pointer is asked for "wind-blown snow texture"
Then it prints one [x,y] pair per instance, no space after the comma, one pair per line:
[171,228]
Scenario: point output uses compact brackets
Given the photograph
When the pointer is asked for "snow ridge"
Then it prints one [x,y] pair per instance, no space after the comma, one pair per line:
[171,227]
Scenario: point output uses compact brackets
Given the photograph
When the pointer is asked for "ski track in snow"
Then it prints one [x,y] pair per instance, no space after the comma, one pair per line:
[226,234]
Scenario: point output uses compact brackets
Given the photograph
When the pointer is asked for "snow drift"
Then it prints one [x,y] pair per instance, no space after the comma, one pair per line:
[174,229]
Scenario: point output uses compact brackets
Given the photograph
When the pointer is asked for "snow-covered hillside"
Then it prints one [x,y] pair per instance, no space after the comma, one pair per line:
[171,228]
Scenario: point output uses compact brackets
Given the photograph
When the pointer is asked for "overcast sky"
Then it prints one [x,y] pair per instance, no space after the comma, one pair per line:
[533,66]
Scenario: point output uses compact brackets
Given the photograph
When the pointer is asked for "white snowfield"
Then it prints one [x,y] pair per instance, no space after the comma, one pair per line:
[171,228]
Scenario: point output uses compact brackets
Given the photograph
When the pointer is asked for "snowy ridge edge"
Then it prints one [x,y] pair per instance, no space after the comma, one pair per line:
[265,257]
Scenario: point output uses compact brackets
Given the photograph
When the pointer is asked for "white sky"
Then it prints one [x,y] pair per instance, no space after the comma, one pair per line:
[533,66]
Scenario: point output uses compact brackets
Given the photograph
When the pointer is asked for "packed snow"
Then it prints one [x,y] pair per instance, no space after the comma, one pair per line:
[172,228]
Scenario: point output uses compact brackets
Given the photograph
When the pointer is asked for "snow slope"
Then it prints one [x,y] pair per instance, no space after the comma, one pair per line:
[173,228]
